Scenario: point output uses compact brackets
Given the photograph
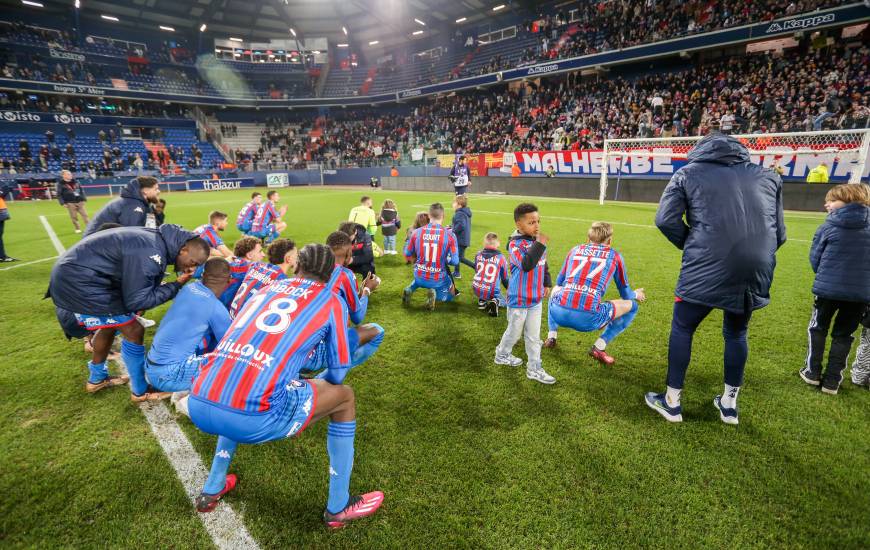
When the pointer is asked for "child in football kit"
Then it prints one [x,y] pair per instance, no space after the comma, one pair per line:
[529,284]
[841,263]
[577,299]
[491,272]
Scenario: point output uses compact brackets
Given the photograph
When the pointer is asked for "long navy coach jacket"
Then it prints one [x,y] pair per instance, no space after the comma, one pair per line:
[732,229]
[118,271]
[840,255]
[130,209]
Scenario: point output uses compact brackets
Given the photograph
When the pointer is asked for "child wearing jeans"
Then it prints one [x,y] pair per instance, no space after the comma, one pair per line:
[840,257]
[390,225]
[528,286]
[491,273]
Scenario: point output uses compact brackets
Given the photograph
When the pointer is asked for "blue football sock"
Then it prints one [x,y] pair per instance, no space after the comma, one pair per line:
[339,445]
[618,325]
[134,358]
[99,372]
[223,455]
[552,325]
[362,353]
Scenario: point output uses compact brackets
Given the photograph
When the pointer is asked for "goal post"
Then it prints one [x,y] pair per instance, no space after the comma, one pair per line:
[795,154]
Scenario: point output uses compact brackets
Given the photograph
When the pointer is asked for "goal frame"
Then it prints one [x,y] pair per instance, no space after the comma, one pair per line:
[620,148]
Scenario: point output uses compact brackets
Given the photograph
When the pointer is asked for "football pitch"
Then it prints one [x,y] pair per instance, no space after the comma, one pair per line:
[468,454]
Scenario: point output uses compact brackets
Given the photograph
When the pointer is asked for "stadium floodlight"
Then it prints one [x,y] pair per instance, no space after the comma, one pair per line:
[341,45]
[293,32]
[34,4]
[234,39]
[109,18]
[78,4]
[374,42]
[420,22]
[165,28]
[203,27]
[415,33]
[344,30]
[499,7]
[461,19]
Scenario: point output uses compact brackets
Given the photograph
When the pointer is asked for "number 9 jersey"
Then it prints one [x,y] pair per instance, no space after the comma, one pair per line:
[586,274]
[268,342]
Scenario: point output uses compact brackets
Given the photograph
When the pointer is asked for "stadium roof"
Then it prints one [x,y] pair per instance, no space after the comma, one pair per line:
[390,22]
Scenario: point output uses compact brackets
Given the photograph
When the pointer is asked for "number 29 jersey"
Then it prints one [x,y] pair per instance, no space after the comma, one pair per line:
[269,341]
[586,274]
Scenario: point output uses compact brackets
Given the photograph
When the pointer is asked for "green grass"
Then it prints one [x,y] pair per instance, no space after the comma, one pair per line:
[469,454]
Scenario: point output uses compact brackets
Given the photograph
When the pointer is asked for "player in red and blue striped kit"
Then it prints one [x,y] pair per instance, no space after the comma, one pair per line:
[247,252]
[249,390]
[282,261]
[267,224]
[247,213]
[491,273]
[434,248]
[577,300]
[217,222]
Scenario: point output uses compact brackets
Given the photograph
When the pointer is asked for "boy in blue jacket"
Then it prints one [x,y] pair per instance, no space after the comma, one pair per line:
[840,258]
[461,225]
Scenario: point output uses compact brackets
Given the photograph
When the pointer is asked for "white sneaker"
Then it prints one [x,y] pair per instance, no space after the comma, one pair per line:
[538,374]
[78,230]
[147,323]
[179,400]
[508,360]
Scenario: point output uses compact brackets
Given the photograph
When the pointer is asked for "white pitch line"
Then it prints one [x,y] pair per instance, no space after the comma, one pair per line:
[16,266]
[52,235]
[223,525]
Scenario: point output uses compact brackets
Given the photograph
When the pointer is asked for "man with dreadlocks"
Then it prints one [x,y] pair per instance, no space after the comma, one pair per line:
[249,390]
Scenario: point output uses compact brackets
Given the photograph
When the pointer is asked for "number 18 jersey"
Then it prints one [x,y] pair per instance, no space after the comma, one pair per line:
[587,273]
[269,341]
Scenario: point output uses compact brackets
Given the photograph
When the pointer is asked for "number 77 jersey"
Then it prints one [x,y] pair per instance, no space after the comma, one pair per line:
[586,274]
[269,341]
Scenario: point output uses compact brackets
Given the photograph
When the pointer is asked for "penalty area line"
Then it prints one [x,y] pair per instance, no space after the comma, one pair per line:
[223,525]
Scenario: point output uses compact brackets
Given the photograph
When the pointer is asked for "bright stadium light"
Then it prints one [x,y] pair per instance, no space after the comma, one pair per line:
[234,39]
[374,42]
[499,7]
[420,22]
[34,4]
[341,45]
[415,33]
[109,18]
[461,19]
[203,27]
[344,30]
[293,32]
[78,4]
[165,28]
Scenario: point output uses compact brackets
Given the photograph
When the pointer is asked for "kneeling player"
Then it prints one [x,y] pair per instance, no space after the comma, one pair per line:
[434,248]
[249,390]
[173,362]
[247,252]
[282,262]
[267,223]
[247,213]
[491,273]
[583,281]
[210,232]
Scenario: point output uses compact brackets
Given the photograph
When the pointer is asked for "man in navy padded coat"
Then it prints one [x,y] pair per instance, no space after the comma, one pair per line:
[732,229]
[100,283]
[132,208]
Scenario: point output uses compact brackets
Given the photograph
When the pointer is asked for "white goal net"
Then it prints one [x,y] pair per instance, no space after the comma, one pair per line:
[792,154]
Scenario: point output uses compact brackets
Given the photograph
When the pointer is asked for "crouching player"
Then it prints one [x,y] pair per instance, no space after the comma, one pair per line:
[196,314]
[363,340]
[249,390]
[100,282]
[282,262]
[434,248]
[210,232]
[267,223]
[247,213]
[247,252]
[491,273]
[576,299]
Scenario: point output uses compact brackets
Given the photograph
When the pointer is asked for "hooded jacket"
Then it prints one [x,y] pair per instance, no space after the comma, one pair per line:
[840,255]
[117,271]
[733,225]
[129,210]
[363,253]
[461,225]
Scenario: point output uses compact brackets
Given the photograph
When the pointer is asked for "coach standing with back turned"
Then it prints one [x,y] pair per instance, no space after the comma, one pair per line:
[732,229]
[71,196]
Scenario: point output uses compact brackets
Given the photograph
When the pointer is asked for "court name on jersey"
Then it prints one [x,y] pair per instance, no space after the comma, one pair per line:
[432,236]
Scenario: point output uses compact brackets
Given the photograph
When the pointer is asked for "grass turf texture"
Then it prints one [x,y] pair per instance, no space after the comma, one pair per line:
[469,454]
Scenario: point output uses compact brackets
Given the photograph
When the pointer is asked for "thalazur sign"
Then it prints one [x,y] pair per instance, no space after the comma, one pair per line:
[61,54]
